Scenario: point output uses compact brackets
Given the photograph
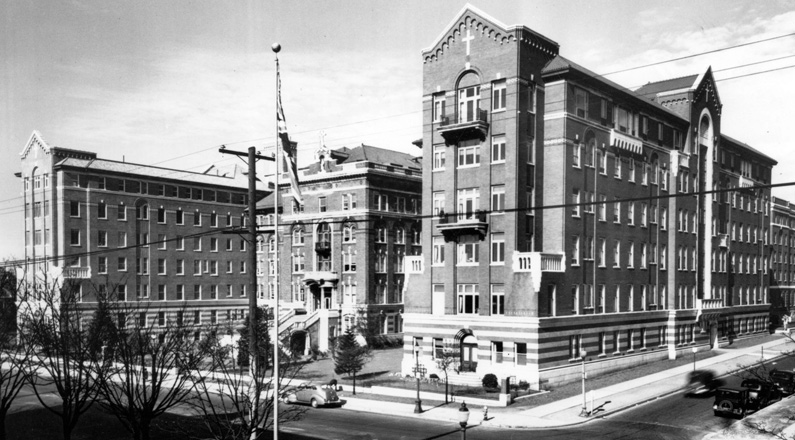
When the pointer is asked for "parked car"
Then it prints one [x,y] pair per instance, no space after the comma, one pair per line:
[730,401]
[702,383]
[315,395]
[760,394]
[784,381]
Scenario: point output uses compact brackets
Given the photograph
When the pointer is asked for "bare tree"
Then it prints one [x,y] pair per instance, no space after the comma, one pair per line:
[235,406]
[53,324]
[14,356]
[150,356]
[447,360]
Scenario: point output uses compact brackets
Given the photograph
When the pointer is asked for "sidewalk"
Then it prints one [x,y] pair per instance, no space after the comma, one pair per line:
[566,412]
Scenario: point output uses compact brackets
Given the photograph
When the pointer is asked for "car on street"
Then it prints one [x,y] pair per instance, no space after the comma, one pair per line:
[760,394]
[312,394]
[702,383]
[784,381]
[730,401]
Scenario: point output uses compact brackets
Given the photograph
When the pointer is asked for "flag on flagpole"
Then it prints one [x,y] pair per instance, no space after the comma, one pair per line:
[287,149]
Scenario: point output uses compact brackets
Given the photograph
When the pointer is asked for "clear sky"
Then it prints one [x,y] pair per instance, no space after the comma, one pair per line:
[167,82]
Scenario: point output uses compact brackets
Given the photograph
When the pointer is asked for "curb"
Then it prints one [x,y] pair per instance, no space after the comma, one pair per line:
[602,415]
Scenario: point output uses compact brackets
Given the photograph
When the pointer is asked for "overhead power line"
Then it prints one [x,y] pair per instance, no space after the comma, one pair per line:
[697,54]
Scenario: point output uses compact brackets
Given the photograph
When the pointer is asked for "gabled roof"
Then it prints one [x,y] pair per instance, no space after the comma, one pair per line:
[561,64]
[492,23]
[651,89]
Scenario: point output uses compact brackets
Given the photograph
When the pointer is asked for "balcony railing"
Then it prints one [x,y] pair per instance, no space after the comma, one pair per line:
[712,303]
[458,127]
[77,272]
[548,262]
[413,264]
[453,225]
[323,247]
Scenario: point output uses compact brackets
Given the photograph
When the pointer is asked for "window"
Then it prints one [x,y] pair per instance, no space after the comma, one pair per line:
[102,265]
[616,210]
[161,215]
[575,201]
[602,252]
[102,209]
[468,299]
[180,217]
[213,244]
[348,202]
[439,152]
[643,255]
[498,93]
[468,250]
[438,251]
[580,102]
[438,107]
[497,248]
[602,208]
[616,253]
[298,238]
[617,167]
[643,215]
[631,213]
[349,234]
[468,203]
[197,243]
[631,167]
[576,156]
[575,250]
[468,154]
[75,237]
[438,202]
[74,208]
[121,212]
[197,218]
[213,220]
[469,104]
[122,264]
[631,255]
[498,149]
[602,160]
[497,299]
[161,266]
[102,238]
[180,267]
[321,204]
[497,198]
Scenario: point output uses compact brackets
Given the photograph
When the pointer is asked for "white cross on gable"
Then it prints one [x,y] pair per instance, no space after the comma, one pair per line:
[468,38]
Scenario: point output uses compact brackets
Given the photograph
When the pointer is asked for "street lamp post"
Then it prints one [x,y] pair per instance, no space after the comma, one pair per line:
[463,418]
[419,373]
[695,350]
[584,411]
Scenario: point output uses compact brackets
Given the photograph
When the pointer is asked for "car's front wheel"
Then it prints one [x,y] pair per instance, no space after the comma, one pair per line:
[313,403]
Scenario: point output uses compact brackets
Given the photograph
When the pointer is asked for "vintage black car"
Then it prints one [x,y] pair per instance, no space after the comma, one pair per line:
[730,401]
[760,394]
[784,381]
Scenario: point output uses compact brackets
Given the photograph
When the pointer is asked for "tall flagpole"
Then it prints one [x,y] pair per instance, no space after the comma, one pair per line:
[276,48]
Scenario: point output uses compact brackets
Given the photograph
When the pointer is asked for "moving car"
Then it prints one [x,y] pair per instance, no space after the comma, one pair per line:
[730,401]
[702,383]
[315,395]
[784,381]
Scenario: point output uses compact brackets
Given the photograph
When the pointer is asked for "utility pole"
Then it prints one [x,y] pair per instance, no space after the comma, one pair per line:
[252,157]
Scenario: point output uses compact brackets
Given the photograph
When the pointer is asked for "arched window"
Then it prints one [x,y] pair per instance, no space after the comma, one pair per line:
[468,97]
[349,234]
[400,235]
[380,233]
[324,232]
[416,238]
[298,236]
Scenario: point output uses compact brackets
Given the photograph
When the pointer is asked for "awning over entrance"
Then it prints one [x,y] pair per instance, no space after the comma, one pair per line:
[705,320]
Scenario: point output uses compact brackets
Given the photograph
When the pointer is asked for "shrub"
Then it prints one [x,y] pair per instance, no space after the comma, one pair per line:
[490,381]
